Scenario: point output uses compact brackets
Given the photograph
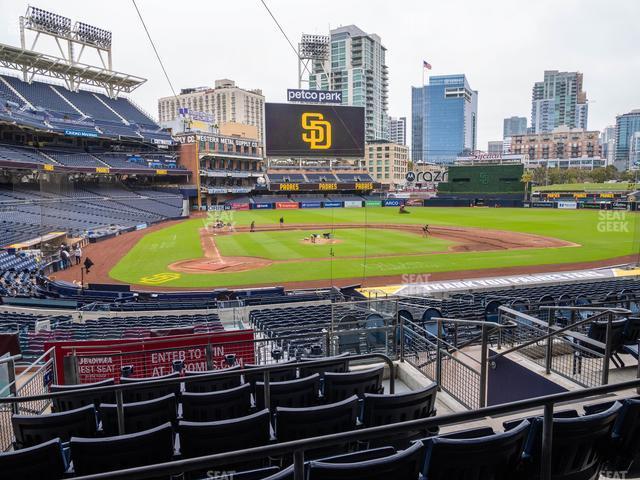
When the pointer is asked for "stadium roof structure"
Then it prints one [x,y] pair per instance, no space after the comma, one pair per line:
[32,63]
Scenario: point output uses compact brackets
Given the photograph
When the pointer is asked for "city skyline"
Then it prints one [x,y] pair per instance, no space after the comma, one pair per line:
[605,44]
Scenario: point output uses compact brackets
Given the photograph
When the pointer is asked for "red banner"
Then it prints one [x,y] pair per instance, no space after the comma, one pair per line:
[287,205]
[239,206]
[152,357]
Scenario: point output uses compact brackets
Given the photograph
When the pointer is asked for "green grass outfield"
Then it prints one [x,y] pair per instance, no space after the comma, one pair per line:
[602,235]
[287,244]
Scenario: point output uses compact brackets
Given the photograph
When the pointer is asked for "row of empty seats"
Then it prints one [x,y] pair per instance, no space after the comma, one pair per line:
[53,107]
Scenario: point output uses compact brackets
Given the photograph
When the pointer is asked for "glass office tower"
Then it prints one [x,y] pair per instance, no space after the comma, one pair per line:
[444,118]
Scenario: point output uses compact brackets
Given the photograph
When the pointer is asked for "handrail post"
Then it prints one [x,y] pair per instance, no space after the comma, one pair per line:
[547,442]
[548,354]
[208,353]
[266,378]
[401,326]
[13,388]
[327,342]
[298,465]
[607,352]
[638,374]
[120,411]
[439,354]
[483,367]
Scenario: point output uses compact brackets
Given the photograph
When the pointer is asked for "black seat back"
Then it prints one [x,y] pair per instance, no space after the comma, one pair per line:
[204,438]
[64,403]
[31,430]
[399,407]
[42,462]
[579,444]
[144,393]
[96,455]
[139,416]
[302,392]
[404,465]
[491,457]
[338,386]
[631,333]
[625,447]
[287,372]
[212,384]
[295,423]
[340,365]
[598,332]
[219,405]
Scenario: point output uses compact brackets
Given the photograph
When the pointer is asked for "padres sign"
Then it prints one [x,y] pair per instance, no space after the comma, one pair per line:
[297,130]
[317,131]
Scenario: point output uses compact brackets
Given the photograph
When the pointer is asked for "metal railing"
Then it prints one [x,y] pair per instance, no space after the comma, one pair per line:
[566,351]
[37,403]
[458,373]
[297,448]
[34,380]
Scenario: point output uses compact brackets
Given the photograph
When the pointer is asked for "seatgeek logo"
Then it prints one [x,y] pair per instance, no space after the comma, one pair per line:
[317,131]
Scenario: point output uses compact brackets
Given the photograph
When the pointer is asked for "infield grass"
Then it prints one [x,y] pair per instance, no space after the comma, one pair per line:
[600,235]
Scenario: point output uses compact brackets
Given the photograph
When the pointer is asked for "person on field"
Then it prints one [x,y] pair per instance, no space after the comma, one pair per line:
[425,230]
[77,254]
[253,226]
[66,258]
[281,222]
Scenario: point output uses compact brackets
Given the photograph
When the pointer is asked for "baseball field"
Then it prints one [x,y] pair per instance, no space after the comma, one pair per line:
[366,245]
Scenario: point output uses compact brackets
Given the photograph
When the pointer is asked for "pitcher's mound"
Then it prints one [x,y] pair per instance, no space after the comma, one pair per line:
[320,241]
[229,264]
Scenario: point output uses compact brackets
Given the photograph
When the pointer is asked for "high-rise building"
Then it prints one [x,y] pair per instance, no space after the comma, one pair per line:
[562,143]
[444,117]
[495,147]
[514,126]
[359,71]
[558,100]
[626,125]
[225,103]
[398,130]
[608,144]
[634,151]
[387,162]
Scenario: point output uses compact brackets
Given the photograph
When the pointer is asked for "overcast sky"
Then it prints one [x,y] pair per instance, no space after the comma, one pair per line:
[503,46]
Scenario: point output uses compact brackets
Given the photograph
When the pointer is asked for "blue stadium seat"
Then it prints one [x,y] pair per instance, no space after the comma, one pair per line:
[71,402]
[31,430]
[381,410]
[42,462]
[97,455]
[405,464]
[212,384]
[149,392]
[218,405]
[140,416]
[494,456]
[204,438]
[338,386]
[302,392]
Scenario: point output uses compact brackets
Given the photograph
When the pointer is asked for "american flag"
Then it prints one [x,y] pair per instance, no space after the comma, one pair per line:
[426,65]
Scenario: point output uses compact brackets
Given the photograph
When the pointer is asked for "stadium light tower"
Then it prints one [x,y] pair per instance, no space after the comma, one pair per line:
[313,55]
[72,39]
